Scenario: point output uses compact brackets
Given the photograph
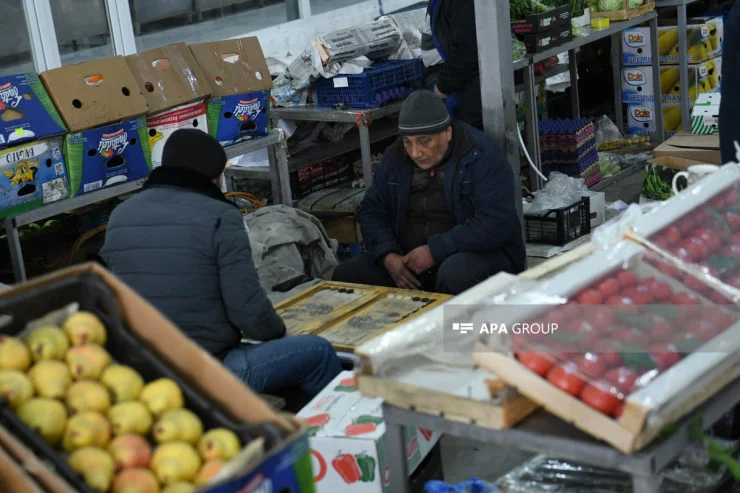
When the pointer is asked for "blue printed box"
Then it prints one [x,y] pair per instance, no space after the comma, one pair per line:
[705,36]
[638,86]
[31,175]
[107,155]
[231,118]
[26,111]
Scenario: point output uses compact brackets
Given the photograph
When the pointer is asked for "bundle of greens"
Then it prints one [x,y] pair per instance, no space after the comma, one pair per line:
[521,8]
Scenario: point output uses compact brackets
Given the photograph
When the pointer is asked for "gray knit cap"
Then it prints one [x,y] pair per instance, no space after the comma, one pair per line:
[423,113]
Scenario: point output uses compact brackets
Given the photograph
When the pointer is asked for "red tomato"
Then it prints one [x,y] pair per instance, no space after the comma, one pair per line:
[710,239]
[608,287]
[731,196]
[671,234]
[602,318]
[623,304]
[590,297]
[660,289]
[662,329]
[622,378]
[735,240]
[608,350]
[640,295]
[571,310]
[565,377]
[591,365]
[685,225]
[703,329]
[733,219]
[696,248]
[718,317]
[731,250]
[630,334]
[664,355]
[626,278]
[685,298]
[717,202]
[600,398]
[681,253]
[539,363]
[619,411]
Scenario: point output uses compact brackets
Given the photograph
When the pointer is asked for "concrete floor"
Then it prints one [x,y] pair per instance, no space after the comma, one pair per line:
[463,459]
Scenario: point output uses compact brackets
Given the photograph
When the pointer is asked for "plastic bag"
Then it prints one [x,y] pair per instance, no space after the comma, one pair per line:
[473,485]
[606,131]
[560,191]
[518,49]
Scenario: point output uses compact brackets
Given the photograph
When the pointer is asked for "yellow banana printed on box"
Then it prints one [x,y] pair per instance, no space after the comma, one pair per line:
[672,119]
[669,77]
[667,40]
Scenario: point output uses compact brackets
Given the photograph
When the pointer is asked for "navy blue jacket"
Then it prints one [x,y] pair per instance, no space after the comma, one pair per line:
[479,190]
[729,113]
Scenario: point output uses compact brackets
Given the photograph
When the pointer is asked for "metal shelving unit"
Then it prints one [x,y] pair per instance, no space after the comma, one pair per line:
[683,61]
[361,117]
[11,224]
[543,433]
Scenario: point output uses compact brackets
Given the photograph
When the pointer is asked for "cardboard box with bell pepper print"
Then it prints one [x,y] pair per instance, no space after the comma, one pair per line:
[348,440]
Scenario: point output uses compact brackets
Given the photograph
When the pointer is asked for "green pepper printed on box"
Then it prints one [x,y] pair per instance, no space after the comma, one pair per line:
[367,467]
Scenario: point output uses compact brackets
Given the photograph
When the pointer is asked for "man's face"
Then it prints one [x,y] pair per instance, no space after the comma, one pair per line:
[427,150]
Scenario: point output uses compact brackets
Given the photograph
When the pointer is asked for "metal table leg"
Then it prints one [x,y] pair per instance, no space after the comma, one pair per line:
[574,100]
[531,122]
[657,90]
[617,79]
[396,454]
[16,254]
[683,60]
[279,162]
[367,158]
[646,484]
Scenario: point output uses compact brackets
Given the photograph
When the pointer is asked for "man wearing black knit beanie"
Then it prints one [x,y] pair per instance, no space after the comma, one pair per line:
[184,247]
[441,212]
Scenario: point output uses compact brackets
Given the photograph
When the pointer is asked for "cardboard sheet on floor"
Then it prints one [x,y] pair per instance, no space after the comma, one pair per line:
[698,148]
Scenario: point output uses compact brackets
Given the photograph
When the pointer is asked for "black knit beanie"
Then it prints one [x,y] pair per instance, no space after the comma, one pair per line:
[423,113]
[195,150]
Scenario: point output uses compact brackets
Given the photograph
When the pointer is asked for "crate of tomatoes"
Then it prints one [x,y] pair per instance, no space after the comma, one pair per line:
[700,228]
[620,343]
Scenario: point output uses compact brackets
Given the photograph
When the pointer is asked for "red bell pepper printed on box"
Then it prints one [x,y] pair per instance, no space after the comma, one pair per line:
[427,434]
[347,468]
[318,419]
[346,385]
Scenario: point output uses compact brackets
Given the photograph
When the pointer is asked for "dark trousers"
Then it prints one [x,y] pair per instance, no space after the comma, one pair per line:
[457,273]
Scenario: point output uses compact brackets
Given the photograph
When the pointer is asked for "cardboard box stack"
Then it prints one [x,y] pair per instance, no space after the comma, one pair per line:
[705,35]
[104,110]
[348,440]
[32,170]
[176,91]
[237,71]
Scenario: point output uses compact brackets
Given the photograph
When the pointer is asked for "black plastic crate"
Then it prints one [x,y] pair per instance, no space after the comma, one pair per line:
[559,226]
[537,23]
[125,348]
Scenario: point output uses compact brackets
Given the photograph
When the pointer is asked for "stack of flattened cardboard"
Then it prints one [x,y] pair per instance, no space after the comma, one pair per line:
[104,110]
[175,89]
[32,171]
[684,149]
[237,71]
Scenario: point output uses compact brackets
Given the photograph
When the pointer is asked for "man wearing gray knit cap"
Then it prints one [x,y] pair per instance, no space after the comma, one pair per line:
[441,212]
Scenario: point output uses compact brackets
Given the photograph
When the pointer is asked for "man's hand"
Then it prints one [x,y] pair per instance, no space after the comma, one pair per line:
[419,259]
[439,93]
[404,278]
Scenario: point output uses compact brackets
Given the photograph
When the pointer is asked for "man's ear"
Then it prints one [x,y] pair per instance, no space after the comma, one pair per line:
[448,133]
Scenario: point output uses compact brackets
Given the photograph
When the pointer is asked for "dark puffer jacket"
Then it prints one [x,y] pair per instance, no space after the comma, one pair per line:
[478,189]
[729,111]
[184,247]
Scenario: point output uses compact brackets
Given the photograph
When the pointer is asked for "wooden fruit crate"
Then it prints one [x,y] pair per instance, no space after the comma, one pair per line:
[625,14]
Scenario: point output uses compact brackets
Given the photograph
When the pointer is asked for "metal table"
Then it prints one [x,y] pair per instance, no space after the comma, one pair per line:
[543,433]
[11,224]
[362,117]
[614,31]
[683,61]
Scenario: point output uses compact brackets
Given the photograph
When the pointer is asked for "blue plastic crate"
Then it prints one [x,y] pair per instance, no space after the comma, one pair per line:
[378,85]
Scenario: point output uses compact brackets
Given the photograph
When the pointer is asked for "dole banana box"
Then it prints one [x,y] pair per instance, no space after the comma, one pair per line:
[238,74]
[347,438]
[641,119]
[637,82]
[31,175]
[103,108]
[26,111]
[705,36]
[175,89]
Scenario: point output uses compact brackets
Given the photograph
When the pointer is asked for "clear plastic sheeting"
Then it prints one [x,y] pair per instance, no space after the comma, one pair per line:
[560,191]
[548,475]
[418,348]
[607,131]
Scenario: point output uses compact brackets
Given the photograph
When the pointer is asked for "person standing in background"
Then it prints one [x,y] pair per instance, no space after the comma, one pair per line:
[457,79]
[729,110]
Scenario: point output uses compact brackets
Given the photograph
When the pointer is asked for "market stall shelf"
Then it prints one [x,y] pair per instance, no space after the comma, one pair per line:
[11,224]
